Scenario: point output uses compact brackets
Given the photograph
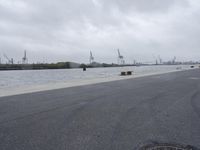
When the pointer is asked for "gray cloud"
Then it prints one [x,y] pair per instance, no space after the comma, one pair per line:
[61,30]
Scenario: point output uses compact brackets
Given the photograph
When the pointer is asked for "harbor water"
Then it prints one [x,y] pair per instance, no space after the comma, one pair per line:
[17,78]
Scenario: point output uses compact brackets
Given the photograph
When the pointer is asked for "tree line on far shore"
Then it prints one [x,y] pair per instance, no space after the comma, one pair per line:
[59,65]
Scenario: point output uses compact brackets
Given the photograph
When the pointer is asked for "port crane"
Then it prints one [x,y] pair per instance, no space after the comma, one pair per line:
[25,59]
[120,58]
[174,60]
[10,60]
[91,58]
[160,59]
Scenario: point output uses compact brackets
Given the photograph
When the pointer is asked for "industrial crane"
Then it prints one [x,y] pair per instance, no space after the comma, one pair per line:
[91,58]
[120,58]
[174,60]
[160,59]
[10,60]
[24,59]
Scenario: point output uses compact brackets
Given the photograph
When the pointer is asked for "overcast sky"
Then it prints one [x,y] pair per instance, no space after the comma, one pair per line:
[66,30]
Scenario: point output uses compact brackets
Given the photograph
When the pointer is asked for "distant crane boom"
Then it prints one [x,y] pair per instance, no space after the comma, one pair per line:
[6,57]
[91,58]
[120,58]
[25,59]
[10,61]
[160,59]
[174,60]
[119,53]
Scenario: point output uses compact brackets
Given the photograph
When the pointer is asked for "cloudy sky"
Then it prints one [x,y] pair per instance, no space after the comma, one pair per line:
[66,30]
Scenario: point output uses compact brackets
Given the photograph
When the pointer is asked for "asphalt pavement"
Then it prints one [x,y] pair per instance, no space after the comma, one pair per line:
[118,115]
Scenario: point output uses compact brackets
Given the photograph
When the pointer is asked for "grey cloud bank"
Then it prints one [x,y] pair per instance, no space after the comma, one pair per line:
[66,30]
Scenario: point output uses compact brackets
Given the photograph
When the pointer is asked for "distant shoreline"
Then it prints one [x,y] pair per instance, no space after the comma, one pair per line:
[69,65]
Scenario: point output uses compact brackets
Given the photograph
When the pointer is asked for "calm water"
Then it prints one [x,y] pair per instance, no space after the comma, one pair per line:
[36,77]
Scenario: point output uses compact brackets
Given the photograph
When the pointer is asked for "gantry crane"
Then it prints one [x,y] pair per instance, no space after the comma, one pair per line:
[91,58]
[10,60]
[120,58]
[25,59]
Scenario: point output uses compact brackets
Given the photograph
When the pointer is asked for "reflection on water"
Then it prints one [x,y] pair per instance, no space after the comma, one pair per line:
[37,77]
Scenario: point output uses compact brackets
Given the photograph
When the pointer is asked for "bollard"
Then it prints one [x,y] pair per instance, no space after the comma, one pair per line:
[129,73]
[123,73]
[84,68]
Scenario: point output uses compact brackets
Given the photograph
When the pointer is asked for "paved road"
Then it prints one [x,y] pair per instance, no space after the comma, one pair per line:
[118,115]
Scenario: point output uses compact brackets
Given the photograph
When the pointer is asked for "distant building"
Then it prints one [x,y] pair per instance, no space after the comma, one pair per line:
[95,64]
[74,65]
